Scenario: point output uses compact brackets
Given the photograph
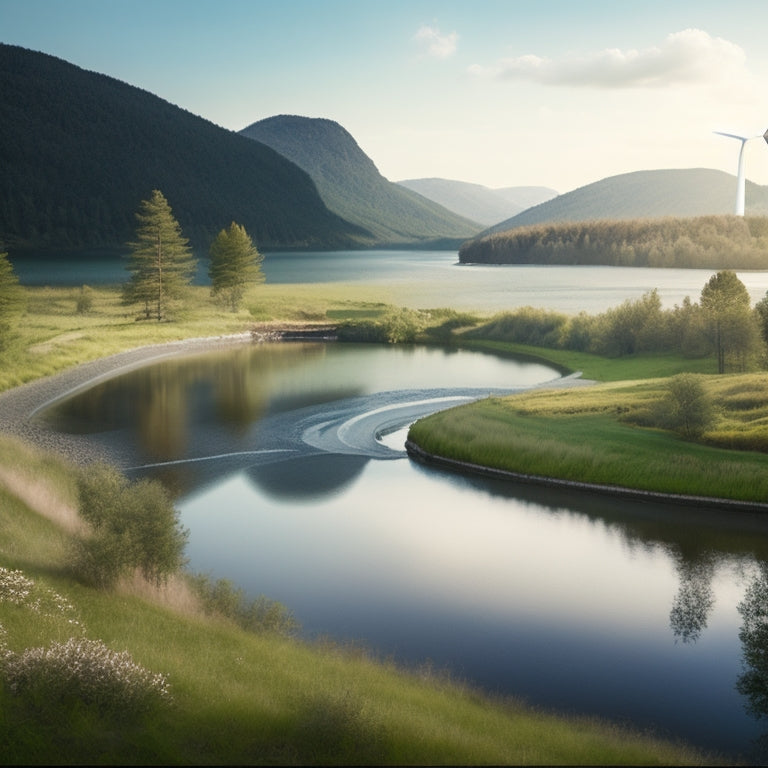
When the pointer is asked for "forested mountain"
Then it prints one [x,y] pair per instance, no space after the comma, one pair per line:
[706,242]
[351,185]
[645,194]
[476,202]
[80,150]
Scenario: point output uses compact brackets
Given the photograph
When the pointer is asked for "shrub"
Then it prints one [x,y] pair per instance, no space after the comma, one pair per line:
[134,525]
[222,598]
[403,326]
[84,300]
[83,673]
[687,407]
[367,331]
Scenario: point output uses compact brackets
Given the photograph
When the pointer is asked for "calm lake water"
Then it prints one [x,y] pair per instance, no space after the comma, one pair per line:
[429,279]
[646,614]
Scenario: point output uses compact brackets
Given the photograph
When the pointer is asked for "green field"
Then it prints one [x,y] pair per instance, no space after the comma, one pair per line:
[587,435]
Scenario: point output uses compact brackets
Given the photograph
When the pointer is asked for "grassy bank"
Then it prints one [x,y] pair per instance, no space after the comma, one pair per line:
[53,336]
[593,435]
[598,368]
[241,697]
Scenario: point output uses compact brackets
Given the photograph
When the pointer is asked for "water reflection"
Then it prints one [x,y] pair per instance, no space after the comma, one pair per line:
[694,599]
[585,603]
[322,476]
[244,403]
[753,683]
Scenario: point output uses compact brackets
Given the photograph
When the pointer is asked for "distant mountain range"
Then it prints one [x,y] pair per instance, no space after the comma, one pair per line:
[643,195]
[351,186]
[80,150]
[479,203]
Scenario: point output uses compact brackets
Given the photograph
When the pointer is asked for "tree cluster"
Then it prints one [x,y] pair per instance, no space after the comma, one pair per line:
[132,526]
[161,264]
[722,324]
[706,242]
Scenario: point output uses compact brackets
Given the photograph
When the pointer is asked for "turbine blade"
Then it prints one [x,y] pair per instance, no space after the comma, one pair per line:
[733,135]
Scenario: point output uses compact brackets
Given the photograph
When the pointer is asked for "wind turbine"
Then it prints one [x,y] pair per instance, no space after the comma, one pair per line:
[740,184]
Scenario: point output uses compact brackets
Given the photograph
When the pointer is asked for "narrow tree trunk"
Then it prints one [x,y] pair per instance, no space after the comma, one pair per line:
[159,278]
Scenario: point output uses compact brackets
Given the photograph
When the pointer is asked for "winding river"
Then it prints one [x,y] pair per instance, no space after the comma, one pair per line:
[290,471]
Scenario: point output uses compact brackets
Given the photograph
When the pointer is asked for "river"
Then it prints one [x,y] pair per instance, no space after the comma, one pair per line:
[289,467]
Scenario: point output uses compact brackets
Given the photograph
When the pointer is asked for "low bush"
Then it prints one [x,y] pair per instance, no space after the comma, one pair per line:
[687,407]
[222,598]
[83,673]
[84,300]
[133,525]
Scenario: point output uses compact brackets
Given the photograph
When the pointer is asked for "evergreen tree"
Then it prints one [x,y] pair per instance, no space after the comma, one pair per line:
[161,262]
[12,299]
[235,262]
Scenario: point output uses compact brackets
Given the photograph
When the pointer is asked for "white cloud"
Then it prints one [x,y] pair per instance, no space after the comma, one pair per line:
[691,56]
[435,43]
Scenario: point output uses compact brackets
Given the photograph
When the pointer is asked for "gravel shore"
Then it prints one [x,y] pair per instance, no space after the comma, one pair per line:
[20,407]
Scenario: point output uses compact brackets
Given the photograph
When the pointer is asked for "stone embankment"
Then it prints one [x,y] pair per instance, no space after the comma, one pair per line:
[294,332]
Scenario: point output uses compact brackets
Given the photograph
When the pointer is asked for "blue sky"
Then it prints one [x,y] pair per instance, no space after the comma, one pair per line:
[500,93]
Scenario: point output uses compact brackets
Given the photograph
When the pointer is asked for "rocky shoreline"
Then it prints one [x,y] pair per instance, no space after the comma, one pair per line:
[20,406]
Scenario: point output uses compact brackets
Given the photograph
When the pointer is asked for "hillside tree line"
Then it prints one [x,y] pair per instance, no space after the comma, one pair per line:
[704,242]
[722,324]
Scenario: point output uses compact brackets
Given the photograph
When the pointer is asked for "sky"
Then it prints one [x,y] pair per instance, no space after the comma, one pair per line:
[501,93]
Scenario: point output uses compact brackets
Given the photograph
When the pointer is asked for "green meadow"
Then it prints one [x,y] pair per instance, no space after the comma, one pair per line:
[598,435]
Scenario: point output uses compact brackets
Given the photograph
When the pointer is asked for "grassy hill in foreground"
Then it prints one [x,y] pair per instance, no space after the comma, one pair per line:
[239,697]
[353,188]
[645,194]
[80,150]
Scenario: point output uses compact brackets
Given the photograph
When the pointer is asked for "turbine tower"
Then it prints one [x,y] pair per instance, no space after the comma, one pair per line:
[740,183]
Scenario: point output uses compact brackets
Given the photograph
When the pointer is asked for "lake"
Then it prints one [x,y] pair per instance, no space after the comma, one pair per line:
[430,279]
[289,467]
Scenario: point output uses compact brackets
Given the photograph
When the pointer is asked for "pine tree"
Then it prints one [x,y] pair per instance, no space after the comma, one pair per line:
[12,299]
[235,262]
[161,262]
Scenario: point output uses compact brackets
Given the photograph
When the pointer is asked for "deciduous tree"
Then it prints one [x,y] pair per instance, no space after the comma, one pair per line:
[161,263]
[235,262]
[733,328]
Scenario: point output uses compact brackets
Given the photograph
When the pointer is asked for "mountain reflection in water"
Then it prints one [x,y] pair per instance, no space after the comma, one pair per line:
[644,613]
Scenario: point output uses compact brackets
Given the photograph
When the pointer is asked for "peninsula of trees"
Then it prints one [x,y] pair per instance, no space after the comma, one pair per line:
[705,242]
